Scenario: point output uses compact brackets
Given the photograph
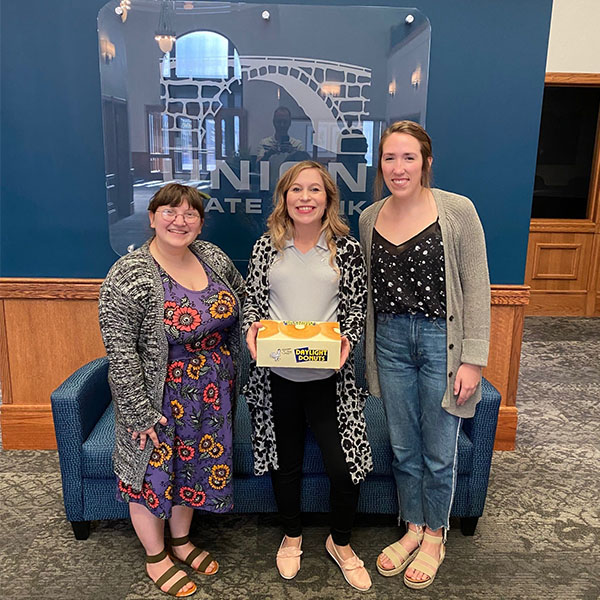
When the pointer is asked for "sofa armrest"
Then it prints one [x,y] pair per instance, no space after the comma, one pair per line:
[77,405]
[481,430]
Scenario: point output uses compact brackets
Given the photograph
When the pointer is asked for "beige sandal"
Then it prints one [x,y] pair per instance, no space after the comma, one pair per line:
[399,555]
[426,564]
[288,559]
[350,567]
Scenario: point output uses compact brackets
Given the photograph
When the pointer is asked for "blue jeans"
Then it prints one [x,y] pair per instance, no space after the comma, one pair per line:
[411,361]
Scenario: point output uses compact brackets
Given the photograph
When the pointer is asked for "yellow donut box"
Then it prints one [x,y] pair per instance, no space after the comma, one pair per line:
[302,344]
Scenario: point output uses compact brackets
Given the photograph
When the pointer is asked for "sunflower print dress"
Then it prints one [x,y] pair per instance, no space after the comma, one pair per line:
[193,464]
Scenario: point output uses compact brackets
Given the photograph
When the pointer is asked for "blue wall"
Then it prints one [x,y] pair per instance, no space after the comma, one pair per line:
[485,91]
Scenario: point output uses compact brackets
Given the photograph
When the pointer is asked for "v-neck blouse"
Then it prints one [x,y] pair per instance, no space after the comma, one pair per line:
[409,277]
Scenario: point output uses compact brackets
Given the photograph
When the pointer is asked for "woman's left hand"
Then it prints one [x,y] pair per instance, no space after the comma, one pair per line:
[466,382]
[344,351]
[148,433]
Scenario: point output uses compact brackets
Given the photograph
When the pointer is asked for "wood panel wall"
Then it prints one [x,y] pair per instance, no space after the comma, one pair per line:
[563,256]
[49,328]
[563,259]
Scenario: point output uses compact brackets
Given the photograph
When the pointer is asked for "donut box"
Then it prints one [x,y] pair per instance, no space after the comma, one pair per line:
[303,344]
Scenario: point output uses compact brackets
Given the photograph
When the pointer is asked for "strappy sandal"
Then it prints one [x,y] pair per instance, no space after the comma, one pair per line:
[175,589]
[349,566]
[426,564]
[288,560]
[192,556]
[399,555]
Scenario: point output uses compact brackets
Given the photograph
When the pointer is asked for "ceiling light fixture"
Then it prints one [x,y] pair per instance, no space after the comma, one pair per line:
[165,33]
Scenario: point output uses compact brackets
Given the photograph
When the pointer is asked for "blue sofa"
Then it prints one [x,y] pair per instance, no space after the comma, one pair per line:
[83,421]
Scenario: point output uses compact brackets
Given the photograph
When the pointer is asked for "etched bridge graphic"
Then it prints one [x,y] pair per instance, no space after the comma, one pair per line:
[332,94]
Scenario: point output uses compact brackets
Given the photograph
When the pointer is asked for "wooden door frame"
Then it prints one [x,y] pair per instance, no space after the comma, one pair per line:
[591,224]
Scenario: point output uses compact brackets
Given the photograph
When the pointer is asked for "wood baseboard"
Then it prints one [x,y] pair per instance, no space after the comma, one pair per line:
[552,303]
[27,427]
[506,432]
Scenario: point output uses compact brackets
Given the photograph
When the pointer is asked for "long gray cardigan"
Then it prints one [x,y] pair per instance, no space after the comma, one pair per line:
[131,311]
[467,293]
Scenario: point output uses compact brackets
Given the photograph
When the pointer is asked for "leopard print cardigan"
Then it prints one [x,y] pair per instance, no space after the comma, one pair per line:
[350,398]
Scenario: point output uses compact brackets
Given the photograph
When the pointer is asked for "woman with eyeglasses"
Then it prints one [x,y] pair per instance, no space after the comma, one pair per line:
[169,319]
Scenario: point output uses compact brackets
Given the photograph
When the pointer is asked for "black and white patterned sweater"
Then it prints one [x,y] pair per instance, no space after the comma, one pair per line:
[350,398]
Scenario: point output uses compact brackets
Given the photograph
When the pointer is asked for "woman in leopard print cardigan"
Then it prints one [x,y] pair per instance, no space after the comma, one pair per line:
[307,267]
[351,398]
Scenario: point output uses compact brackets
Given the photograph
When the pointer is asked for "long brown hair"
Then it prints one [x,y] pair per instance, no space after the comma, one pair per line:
[415,130]
[280,225]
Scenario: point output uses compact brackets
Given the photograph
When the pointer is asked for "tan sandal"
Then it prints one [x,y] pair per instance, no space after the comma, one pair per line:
[288,559]
[175,589]
[399,555]
[351,567]
[191,557]
[426,564]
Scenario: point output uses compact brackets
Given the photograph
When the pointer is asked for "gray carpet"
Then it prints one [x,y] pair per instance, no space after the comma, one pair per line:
[538,538]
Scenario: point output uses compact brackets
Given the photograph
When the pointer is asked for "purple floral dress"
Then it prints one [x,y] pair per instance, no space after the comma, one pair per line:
[193,464]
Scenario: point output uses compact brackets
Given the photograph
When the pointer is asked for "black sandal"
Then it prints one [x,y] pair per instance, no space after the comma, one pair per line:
[175,589]
[191,557]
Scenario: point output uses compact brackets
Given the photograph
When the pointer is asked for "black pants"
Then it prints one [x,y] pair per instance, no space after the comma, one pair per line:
[295,404]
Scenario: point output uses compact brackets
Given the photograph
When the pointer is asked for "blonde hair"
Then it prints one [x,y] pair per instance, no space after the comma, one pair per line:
[280,225]
[415,130]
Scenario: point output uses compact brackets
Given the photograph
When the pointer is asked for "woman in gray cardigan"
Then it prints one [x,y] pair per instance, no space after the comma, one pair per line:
[169,315]
[427,336]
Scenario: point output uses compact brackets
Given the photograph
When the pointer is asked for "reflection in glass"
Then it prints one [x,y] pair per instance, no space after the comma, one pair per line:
[209,146]
[238,98]
[205,55]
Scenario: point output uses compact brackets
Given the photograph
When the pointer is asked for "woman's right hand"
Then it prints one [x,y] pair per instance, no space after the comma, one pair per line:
[148,433]
[251,338]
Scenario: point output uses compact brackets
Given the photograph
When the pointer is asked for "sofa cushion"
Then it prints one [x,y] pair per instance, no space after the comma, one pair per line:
[465,454]
[243,462]
[96,451]
[243,459]
[313,463]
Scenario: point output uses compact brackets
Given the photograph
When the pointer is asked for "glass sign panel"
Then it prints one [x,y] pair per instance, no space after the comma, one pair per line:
[226,96]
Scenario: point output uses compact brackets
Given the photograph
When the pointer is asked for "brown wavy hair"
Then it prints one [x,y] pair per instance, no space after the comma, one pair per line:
[415,130]
[280,225]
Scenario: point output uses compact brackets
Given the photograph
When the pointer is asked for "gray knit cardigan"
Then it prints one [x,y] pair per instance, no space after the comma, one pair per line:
[131,311]
[467,293]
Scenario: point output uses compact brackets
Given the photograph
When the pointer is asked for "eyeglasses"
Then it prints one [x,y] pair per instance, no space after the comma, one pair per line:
[168,214]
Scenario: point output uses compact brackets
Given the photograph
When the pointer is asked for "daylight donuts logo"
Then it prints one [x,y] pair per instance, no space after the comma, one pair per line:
[310,355]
